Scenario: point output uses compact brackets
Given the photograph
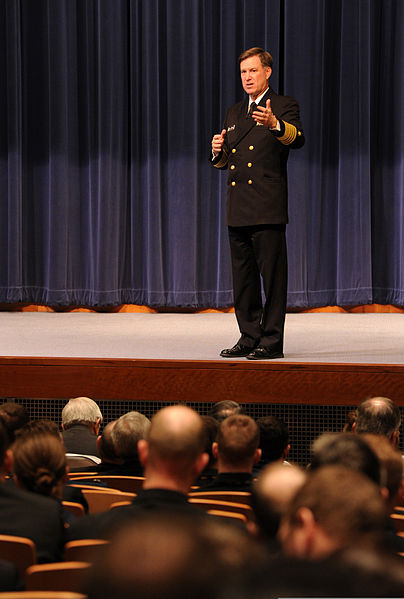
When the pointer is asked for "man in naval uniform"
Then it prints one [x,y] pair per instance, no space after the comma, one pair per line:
[254,146]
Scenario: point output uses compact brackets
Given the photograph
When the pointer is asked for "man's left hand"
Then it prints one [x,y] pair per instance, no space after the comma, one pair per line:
[265,116]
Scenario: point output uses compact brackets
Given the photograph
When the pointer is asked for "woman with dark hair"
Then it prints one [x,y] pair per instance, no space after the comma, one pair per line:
[39,465]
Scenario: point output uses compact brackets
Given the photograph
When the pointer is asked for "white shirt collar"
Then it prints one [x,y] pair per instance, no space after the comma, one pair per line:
[257,100]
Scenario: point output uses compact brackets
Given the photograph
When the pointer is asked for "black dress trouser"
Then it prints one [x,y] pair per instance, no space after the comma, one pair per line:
[260,251]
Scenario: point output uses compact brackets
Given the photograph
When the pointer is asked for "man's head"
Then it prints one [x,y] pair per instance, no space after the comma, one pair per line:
[174,556]
[44,425]
[272,494]
[84,411]
[391,468]
[173,452]
[210,426]
[236,447]
[345,449]
[14,417]
[274,439]
[5,456]
[255,70]
[126,433]
[336,508]
[225,408]
[105,445]
[379,416]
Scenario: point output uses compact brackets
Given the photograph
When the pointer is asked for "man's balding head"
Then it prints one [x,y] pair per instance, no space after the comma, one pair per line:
[379,416]
[272,494]
[174,447]
[176,432]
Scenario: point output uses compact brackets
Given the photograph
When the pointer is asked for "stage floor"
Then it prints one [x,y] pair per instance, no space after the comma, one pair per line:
[315,338]
[330,359]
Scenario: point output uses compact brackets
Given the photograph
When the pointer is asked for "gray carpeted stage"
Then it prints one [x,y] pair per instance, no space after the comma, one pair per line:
[315,338]
[137,361]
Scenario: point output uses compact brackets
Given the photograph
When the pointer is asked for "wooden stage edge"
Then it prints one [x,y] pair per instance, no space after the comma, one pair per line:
[199,381]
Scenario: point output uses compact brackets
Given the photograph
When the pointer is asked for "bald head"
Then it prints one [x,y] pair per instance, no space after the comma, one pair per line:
[378,415]
[172,454]
[272,494]
[278,483]
[177,433]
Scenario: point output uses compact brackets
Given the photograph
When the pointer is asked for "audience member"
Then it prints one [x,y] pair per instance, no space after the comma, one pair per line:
[349,573]
[336,508]
[39,466]
[44,425]
[366,454]
[350,420]
[109,459]
[176,558]
[129,429]
[211,426]
[81,419]
[392,484]
[236,451]
[345,449]
[271,495]
[225,408]
[14,416]
[391,465]
[9,577]
[48,427]
[173,457]
[274,441]
[379,416]
[27,514]
[106,449]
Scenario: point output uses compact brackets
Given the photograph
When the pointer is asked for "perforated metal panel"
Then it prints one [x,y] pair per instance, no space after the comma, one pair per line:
[305,422]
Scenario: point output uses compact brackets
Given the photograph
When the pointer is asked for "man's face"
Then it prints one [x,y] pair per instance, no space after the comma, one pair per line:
[254,76]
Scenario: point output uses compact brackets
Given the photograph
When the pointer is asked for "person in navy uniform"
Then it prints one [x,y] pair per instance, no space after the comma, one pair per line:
[254,146]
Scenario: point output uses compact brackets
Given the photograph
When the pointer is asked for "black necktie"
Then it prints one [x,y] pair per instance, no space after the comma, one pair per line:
[253,107]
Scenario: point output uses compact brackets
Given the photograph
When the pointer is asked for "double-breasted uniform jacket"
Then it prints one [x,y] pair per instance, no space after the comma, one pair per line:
[256,158]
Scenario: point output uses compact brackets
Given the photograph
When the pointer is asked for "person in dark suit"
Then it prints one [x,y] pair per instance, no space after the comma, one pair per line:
[254,146]
[81,419]
[236,450]
[26,514]
[9,577]
[173,457]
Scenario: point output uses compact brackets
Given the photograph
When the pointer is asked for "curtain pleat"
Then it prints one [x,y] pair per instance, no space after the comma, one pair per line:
[106,115]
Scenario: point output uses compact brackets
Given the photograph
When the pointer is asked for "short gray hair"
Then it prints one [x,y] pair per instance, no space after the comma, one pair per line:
[80,410]
[128,430]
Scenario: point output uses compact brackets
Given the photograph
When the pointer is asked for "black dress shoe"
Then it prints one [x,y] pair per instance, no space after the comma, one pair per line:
[237,351]
[264,353]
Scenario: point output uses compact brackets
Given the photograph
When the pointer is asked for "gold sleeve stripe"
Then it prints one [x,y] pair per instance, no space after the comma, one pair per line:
[290,134]
[223,160]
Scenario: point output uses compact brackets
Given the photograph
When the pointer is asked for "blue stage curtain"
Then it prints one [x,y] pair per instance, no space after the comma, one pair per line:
[107,109]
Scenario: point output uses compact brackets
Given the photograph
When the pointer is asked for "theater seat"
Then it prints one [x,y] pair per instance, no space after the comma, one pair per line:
[228,515]
[62,576]
[235,496]
[18,550]
[75,508]
[41,595]
[84,550]
[228,506]
[127,484]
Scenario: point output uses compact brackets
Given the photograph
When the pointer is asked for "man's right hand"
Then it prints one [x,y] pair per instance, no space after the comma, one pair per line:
[217,142]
